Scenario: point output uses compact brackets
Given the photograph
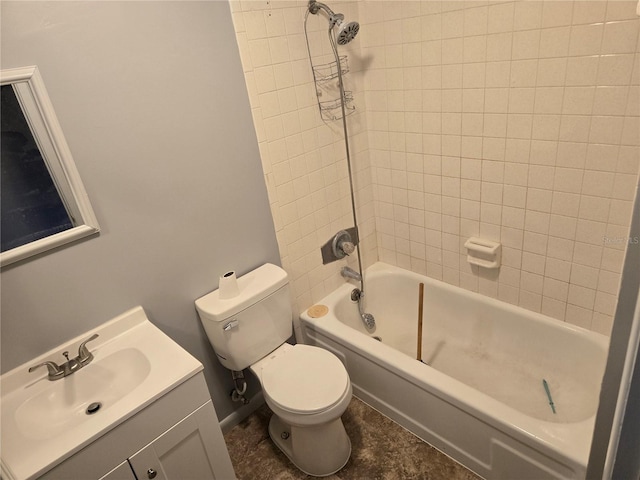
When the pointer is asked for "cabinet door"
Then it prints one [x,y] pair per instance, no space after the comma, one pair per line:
[121,472]
[192,449]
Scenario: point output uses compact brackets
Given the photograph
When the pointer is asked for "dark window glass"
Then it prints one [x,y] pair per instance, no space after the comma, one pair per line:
[30,206]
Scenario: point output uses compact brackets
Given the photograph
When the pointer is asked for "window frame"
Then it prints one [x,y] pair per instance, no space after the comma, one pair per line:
[38,111]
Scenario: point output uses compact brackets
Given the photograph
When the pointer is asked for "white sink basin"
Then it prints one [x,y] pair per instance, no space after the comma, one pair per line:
[44,422]
[62,404]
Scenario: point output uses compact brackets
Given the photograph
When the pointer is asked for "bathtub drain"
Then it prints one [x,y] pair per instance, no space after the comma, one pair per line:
[378,338]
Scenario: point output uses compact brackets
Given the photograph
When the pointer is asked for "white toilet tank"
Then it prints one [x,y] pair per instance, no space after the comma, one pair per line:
[246,328]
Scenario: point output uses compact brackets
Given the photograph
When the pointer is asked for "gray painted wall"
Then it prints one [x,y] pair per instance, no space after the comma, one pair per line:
[153,103]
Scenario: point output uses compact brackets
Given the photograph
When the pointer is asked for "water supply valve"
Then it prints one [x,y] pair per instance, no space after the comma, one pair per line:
[342,244]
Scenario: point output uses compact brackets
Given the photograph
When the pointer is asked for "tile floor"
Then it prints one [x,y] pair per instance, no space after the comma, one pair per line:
[381,449]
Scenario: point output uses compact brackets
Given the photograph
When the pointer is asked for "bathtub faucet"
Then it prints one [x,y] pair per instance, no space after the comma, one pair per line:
[348,272]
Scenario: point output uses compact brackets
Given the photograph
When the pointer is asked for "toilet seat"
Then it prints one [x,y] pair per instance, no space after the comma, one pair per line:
[305,380]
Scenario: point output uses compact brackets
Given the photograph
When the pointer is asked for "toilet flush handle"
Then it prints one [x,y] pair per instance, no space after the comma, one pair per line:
[229,325]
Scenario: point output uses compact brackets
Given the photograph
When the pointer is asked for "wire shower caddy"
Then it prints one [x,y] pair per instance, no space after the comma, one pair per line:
[323,76]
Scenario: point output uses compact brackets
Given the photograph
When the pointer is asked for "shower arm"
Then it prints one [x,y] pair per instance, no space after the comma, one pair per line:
[314,7]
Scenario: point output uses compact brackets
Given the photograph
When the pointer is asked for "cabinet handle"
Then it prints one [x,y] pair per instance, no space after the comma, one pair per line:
[151,473]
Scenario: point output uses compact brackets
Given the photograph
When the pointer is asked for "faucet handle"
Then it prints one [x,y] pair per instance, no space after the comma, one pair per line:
[54,369]
[342,244]
[347,247]
[84,355]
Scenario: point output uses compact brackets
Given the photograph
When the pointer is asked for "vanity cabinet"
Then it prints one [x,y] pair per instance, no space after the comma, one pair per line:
[177,437]
[121,472]
[186,450]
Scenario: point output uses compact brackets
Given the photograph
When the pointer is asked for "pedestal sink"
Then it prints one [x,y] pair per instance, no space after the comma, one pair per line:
[44,422]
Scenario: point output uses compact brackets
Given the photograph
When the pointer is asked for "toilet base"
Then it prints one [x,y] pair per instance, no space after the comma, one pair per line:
[318,450]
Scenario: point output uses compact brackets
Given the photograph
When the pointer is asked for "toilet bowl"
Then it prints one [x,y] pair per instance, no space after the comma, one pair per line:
[306,387]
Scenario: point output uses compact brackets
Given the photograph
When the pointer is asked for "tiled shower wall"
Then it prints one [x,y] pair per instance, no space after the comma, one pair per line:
[513,121]
[304,157]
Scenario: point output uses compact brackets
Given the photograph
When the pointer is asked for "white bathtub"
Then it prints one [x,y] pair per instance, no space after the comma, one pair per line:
[481,398]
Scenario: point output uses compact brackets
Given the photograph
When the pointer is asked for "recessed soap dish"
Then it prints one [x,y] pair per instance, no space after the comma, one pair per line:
[484,253]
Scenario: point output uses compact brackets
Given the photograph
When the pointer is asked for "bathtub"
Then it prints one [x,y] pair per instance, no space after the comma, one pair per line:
[477,395]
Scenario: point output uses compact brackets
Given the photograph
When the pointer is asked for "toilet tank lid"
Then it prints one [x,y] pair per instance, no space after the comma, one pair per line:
[254,286]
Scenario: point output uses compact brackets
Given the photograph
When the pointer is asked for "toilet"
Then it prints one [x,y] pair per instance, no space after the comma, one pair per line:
[307,388]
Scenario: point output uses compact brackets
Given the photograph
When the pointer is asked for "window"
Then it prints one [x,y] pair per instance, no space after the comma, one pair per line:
[43,202]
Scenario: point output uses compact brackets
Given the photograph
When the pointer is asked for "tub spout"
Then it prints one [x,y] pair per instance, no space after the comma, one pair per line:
[348,272]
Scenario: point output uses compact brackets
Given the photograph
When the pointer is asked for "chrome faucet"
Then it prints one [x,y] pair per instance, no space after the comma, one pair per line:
[348,272]
[56,372]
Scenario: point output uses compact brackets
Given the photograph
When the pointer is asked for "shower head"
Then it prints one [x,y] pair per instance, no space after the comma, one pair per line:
[369,320]
[346,30]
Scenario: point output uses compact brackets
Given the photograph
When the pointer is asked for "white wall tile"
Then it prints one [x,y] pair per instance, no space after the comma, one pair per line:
[620,37]
[519,121]
[500,18]
[585,11]
[621,10]
[499,46]
[585,39]
[551,72]
[556,13]
[615,69]
[582,71]
[554,42]
[578,316]
[578,100]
